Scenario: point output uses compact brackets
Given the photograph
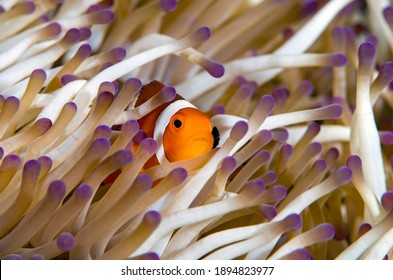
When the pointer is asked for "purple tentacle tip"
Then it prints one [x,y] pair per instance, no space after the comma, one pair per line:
[373,39]
[65,241]
[308,8]
[387,201]
[313,128]
[123,157]
[299,254]
[67,78]
[280,94]
[338,34]
[139,136]
[267,211]
[168,93]
[39,73]
[280,135]
[131,125]
[99,144]
[293,221]
[343,175]
[149,145]
[228,164]
[202,34]
[37,257]
[219,109]
[339,59]
[261,156]
[86,33]
[106,65]
[179,173]
[267,101]
[44,18]
[83,192]
[57,190]
[45,161]
[152,218]
[73,36]
[12,101]
[255,187]
[44,124]
[335,111]
[85,50]
[32,167]
[270,177]
[103,131]
[215,69]
[306,87]
[327,231]
[315,148]
[366,55]
[143,182]
[104,16]
[13,257]
[245,91]
[134,84]
[12,160]
[287,150]
[168,5]
[332,153]
[354,162]
[93,9]
[320,165]
[239,130]
[386,137]
[151,256]
[386,72]
[28,7]
[279,192]
[388,14]
[119,53]
[364,228]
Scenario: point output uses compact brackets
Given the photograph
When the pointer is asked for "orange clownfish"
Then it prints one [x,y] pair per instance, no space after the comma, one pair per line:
[181,131]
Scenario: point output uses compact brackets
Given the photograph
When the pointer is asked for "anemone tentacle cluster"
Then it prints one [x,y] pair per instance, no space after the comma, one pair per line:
[300,91]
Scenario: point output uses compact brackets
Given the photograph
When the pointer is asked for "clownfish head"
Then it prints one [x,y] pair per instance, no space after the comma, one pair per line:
[189,134]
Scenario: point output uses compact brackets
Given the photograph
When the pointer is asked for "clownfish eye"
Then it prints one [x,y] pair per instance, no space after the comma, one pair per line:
[177,123]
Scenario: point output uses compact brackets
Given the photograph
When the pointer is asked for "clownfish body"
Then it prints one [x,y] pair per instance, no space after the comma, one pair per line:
[181,131]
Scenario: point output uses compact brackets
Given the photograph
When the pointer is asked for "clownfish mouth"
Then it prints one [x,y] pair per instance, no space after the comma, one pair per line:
[202,138]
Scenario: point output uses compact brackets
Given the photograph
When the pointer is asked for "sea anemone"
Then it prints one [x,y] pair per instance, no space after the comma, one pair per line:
[300,91]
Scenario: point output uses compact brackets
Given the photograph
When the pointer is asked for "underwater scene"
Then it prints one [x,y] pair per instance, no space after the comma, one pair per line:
[185,130]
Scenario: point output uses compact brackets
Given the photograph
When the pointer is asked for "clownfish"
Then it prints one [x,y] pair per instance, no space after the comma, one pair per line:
[181,130]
